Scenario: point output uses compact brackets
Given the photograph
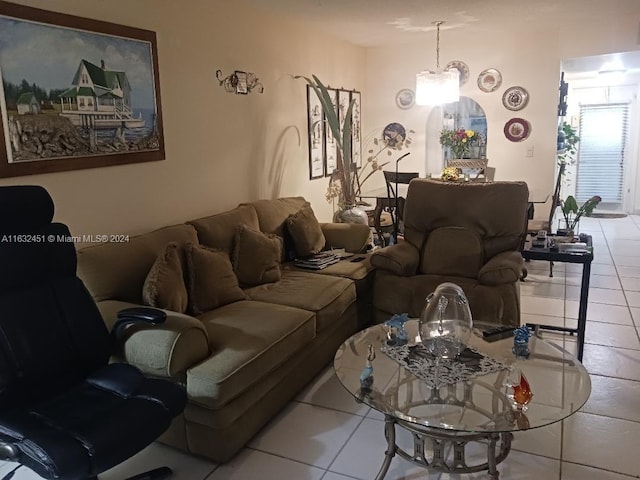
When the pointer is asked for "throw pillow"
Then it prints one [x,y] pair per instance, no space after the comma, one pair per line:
[256,256]
[164,286]
[211,280]
[306,232]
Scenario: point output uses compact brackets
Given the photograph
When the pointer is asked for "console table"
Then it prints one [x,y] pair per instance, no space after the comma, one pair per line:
[585,258]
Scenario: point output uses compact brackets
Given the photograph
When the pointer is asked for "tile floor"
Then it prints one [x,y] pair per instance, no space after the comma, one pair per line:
[324,435]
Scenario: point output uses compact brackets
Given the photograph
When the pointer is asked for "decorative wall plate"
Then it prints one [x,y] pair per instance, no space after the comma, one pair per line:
[405,98]
[489,80]
[515,98]
[517,129]
[462,68]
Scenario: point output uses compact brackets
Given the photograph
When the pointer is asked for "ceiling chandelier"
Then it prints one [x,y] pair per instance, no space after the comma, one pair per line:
[441,86]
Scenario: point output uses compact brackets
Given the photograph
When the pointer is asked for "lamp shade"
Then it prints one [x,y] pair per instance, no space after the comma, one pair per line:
[436,88]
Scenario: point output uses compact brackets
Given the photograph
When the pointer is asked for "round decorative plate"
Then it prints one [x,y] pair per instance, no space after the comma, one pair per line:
[489,80]
[517,129]
[515,98]
[405,99]
[393,134]
[462,68]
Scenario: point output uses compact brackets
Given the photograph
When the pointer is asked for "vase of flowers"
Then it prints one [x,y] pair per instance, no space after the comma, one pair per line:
[459,142]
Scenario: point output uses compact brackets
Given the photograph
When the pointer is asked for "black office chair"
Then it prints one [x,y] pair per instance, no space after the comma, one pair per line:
[396,202]
[65,412]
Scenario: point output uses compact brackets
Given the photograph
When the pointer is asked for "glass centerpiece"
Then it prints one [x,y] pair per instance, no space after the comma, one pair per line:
[445,324]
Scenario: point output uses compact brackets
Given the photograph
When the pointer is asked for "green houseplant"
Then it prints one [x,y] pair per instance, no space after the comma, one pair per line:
[345,172]
[572,212]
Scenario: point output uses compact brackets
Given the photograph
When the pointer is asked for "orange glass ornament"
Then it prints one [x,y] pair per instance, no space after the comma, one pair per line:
[522,393]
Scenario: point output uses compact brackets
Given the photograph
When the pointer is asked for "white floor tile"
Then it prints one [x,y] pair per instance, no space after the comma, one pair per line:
[599,295]
[542,306]
[612,362]
[571,471]
[545,441]
[633,272]
[540,289]
[254,465]
[609,334]
[600,312]
[335,476]
[630,284]
[624,393]
[615,448]
[327,391]
[307,434]
[517,466]
[633,299]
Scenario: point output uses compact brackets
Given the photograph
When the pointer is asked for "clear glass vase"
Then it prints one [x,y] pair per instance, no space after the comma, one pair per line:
[351,214]
[445,325]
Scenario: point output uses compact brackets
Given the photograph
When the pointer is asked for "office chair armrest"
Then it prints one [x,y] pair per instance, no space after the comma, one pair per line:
[505,267]
[401,259]
[351,236]
[166,350]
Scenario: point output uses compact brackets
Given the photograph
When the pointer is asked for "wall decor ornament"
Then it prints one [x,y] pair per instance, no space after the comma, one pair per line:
[240,82]
[405,99]
[462,68]
[517,129]
[92,87]
[316,125]
[489,80]
[515,98]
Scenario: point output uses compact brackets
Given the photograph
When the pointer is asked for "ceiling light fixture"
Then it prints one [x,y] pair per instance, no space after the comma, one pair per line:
[441,86]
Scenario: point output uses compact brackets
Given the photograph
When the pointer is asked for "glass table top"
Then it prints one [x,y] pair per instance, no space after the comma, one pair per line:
[559,382]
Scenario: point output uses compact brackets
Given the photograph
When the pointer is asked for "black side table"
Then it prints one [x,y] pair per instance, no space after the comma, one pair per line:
[585,258]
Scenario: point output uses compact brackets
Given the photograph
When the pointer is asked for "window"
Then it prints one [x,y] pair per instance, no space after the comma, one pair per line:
[601,156]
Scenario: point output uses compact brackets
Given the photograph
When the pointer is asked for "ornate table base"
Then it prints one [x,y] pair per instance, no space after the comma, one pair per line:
[498,447]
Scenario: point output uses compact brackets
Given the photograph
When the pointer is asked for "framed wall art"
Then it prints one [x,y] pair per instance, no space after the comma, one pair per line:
[77,93]
[356,131]
[331,147]
[316,127]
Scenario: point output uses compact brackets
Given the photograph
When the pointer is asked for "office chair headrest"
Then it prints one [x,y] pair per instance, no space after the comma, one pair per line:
[24,208]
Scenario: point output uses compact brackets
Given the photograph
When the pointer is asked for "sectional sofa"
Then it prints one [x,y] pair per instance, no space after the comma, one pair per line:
[246,328]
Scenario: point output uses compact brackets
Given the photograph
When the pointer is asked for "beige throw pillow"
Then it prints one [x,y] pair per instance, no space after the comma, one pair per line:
[164,286]
[256,257]
[305,231]
[211,280]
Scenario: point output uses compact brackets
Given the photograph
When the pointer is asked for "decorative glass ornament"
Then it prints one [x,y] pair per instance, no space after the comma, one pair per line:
[446,324]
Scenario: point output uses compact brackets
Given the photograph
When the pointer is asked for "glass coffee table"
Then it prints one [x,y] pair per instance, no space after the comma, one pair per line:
[444,420]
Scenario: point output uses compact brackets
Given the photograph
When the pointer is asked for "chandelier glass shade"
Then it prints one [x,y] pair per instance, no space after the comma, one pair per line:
[439,86]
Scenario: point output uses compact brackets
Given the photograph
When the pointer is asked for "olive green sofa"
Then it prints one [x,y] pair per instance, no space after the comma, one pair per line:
[243,361]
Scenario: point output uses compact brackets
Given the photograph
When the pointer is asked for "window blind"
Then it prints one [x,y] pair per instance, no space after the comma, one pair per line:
[601,152]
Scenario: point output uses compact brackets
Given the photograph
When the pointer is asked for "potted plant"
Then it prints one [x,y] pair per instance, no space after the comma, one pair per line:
[572,212]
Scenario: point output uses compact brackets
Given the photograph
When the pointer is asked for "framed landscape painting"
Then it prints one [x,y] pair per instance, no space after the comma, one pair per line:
[76,93]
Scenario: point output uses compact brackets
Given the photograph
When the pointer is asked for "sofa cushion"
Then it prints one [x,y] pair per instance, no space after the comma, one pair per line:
[211,280]
[326,295]
[453,251]
[117,271]
[219,231]
[164,286]
[305,231]
[256,257]
[250,339]
[273,214]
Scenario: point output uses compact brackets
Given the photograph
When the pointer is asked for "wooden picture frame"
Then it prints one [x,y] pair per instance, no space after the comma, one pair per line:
[316,128]
[77,93]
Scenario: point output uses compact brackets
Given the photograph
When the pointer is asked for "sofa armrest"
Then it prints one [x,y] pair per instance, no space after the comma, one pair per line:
[350,236]
[166,350]
[505,267]
[401,259]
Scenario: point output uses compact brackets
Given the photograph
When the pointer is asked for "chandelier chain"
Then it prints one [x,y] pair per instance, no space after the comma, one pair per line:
[437,24]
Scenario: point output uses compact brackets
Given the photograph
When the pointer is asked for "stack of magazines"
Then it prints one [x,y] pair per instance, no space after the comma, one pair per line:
[318,262]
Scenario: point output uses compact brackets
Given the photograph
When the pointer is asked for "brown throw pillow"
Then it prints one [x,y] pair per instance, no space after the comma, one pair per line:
[305,230]
[164,286]
[256,256]
[211,281]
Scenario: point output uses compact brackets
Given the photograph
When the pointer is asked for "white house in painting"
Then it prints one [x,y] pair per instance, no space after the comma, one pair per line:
[99,98]
[28,104]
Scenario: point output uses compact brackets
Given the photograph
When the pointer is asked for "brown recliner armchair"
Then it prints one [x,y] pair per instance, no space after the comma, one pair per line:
[466,233]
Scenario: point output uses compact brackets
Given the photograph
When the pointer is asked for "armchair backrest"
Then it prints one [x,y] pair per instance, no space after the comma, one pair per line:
[457,227]
[51,332]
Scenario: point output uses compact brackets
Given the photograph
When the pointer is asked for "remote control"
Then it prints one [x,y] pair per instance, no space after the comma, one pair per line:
[497,333]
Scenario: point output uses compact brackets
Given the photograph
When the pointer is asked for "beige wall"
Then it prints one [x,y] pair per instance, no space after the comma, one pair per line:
[221,148]
[526,57]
